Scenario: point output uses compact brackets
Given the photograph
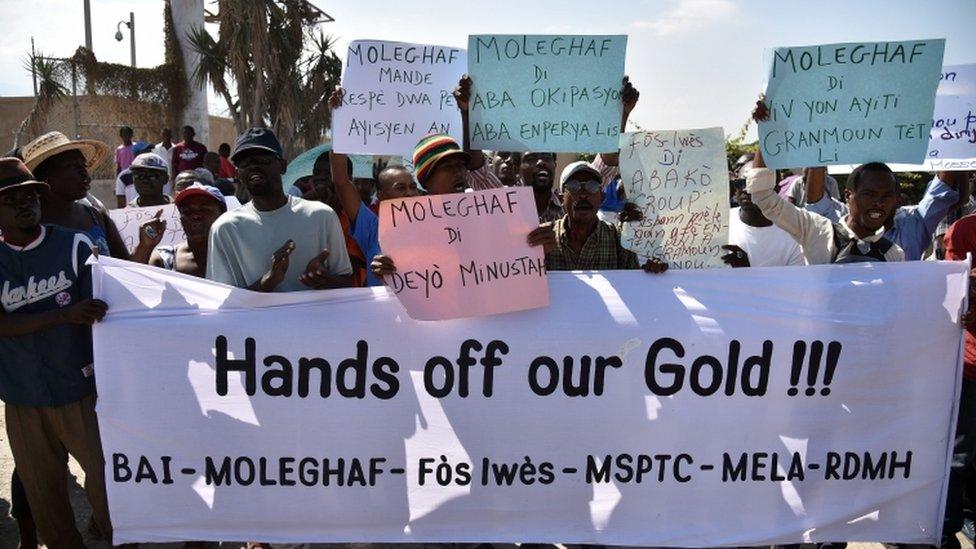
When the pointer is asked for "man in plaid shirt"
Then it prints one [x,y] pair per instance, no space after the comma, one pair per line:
[583,241]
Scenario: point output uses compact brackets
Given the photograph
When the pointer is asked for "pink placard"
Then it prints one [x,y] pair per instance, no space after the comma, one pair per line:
[466,254]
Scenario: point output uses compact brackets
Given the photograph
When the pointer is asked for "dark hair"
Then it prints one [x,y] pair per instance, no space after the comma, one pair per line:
[323,165]
[874,167]
[389,171]
[224,147]
[188,127]
[551,155]
[125,129]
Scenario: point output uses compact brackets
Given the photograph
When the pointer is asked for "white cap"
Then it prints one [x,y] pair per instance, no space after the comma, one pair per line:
[575,168]
[149,161]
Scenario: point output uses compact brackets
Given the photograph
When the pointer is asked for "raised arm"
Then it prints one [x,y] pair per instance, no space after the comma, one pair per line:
[462,96]
[941,195]
[339,164]
[811,231]
[628,96]
[814,180]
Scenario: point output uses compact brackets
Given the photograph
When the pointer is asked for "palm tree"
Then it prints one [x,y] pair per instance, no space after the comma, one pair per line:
[272,67]
[50,74]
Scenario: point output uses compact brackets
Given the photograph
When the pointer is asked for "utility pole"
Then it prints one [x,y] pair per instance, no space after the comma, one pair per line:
[132,37]
[34,66]
[88,30]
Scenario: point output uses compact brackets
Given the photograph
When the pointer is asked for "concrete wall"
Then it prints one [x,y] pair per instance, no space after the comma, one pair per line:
[13,110]
[100,118]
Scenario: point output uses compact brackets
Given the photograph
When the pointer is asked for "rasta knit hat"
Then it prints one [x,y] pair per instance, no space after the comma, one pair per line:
[432,149]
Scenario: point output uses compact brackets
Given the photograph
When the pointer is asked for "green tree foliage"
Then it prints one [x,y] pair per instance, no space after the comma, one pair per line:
[272,67]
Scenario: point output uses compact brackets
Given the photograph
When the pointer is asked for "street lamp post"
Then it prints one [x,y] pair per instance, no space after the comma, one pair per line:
[131,23]
[88,34]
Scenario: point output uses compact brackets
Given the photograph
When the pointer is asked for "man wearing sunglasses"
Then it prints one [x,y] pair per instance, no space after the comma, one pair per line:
[149,177]
[583,241]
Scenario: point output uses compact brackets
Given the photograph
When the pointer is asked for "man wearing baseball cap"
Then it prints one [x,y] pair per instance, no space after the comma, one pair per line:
[583,241]
[46,373]
[150,174]
[125,190]
[199,207]
[275,242]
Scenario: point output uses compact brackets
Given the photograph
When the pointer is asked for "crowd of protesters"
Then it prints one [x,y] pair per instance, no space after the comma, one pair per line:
[323,234]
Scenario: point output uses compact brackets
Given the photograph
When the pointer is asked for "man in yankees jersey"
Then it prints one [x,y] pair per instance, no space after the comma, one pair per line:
[46,376]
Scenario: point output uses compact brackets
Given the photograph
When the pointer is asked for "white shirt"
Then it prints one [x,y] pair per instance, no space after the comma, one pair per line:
[165,154]
[130,190]
[767,246]
[813,232]
[243,241]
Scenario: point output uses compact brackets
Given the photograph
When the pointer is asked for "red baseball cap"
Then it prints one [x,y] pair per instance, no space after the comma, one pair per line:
[197,189]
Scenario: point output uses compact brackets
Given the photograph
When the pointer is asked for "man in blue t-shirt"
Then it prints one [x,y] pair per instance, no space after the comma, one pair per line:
[46,371]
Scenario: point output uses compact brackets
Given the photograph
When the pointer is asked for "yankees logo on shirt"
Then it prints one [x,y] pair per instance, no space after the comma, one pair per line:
[35,290]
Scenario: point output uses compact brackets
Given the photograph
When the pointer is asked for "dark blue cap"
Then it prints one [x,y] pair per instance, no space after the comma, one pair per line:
[140,147]
[256,139]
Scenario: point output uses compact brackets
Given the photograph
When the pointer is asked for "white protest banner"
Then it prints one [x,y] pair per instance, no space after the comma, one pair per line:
[849,103]
[465,254]
[396,93]
[680,181]
[546,92]
[952,140]
[128,220]
[695,408]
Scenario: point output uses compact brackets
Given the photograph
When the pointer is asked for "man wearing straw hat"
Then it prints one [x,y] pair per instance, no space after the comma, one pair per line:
[64,165]
[46,375]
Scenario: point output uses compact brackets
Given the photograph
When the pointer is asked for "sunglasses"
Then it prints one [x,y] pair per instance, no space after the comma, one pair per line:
[151,175]
[589,187]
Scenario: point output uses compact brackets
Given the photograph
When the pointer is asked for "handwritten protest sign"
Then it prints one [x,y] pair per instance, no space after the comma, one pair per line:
[850,103]
[630,412]
[396,93]
[953,134]
[463,255]
[679,179]
[952,140]
[545,92]
[128,221]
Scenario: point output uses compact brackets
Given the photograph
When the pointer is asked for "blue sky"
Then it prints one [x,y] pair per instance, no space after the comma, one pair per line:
[697,63]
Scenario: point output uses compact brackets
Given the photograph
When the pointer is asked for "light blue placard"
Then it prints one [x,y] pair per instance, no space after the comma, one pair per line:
[850,103]
[546,92]
[362,165]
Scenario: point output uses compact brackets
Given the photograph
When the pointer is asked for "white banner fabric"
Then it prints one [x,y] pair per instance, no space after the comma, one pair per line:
[695,408]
